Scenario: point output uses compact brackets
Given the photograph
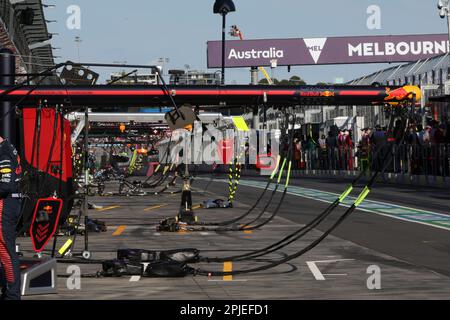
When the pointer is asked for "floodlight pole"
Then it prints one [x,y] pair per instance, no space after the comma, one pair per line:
[444,11]
[448,24]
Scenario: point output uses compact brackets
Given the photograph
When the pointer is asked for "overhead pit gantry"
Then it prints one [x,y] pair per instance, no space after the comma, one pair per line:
[204,96]
[75,97]
[181,98]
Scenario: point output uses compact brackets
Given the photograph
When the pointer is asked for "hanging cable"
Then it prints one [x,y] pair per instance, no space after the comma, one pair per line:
[355,204]
[287,160]
[306,228]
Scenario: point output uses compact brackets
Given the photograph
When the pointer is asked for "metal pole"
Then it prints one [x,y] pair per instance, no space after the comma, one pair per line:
[78,42]
[186,214]
[7,114]
[448,24]
[86,163]
[223,46]
[254,76]
[255,117]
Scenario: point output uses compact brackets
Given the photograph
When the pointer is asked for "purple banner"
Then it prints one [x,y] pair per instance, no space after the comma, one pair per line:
[336,50]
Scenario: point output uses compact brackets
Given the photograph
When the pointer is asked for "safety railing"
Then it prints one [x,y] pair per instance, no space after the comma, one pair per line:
[416,159]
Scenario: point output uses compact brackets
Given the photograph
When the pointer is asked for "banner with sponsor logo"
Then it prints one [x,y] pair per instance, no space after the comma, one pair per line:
[318,51]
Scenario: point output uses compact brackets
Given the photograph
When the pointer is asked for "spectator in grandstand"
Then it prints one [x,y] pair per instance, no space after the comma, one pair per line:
[420,133]
[322,142]
[364,149]
[323,152]
[310,146]
[340,138]
[426,136]
[412,150]
[341,147]
[377,134]
[434,128]
[247,155]
[303,152]
[297,153]
[437,148]
[399,130]
[348,148]
[331,143]
[412,136]
[378,142]
[439,134]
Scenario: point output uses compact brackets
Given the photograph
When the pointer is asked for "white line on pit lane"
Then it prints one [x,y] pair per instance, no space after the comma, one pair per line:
[316,271]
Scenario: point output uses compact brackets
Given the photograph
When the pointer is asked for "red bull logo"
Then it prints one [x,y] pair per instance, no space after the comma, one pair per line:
[403,93]
[327,94]
[399,94]
[48,209]
[42,230]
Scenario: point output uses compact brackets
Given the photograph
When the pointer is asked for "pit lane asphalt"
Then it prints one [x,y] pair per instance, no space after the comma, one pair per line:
[343,263]
[415,243]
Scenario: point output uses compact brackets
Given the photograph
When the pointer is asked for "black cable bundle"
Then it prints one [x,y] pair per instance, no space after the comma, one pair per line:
[387,159]
[227,225]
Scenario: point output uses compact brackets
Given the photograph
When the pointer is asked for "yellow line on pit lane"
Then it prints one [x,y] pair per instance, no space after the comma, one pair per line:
[246,231]
[227,267]
[119,231]
[107,208]
[156,207]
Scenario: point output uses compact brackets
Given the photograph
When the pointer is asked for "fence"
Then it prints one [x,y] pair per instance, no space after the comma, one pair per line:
[429,159]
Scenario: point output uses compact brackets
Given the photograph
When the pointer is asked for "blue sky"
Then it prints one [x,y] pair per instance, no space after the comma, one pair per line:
[141,31]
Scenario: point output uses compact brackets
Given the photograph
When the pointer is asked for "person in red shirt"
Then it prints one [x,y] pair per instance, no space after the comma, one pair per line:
[348,147]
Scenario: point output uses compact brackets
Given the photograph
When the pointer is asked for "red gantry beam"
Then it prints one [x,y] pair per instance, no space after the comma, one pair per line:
[145,96]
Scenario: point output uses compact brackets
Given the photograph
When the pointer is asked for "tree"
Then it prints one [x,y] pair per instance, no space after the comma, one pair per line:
[296,80]
[293,81]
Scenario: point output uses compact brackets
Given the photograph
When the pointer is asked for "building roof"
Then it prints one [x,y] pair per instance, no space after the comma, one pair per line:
[402,71]
[36,33]
[27,35]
